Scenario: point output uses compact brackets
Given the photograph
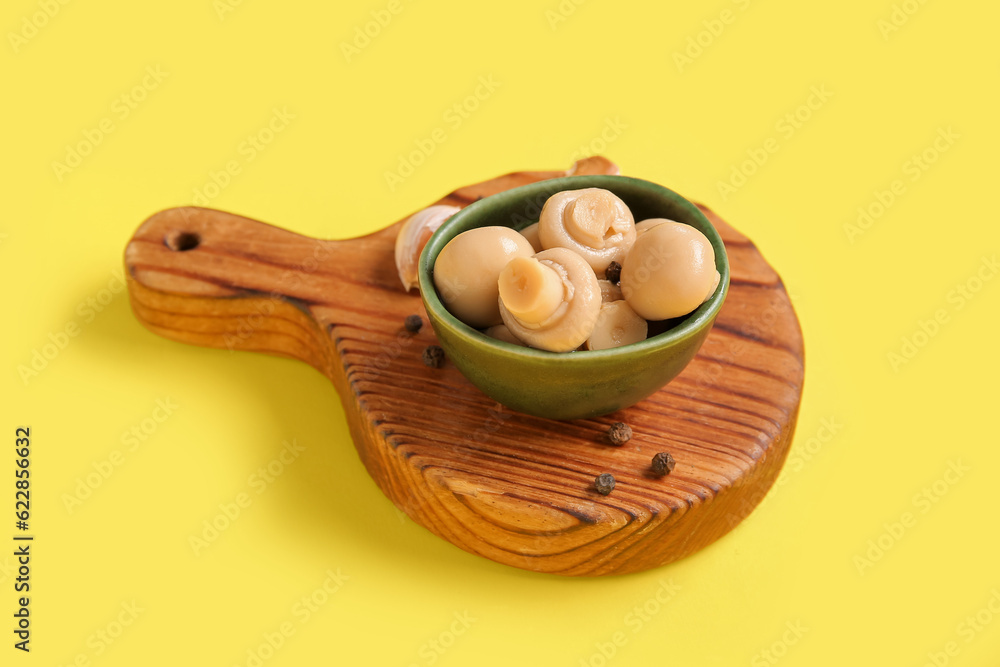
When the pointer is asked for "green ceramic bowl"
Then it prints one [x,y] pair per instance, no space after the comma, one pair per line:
[570,385]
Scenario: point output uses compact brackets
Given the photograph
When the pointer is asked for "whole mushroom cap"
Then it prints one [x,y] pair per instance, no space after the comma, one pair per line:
[669,271]
[467,268]
[592,222]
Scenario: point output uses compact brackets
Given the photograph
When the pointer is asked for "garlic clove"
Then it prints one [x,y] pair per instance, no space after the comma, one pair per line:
[594,165]
[412,238]
[617,325]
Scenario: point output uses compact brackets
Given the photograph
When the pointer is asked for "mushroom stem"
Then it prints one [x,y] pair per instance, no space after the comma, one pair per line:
[617,325]
[530,290]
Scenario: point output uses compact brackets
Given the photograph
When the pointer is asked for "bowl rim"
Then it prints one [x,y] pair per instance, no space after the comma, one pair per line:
[690,326]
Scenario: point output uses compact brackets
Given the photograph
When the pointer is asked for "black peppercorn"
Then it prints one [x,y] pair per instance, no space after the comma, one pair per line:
[619,433]
[433,356]
[613,272]
[663,463]
[604,483]
[413,323]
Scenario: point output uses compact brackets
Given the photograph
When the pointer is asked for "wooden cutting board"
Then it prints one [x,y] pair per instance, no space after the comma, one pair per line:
[513,488]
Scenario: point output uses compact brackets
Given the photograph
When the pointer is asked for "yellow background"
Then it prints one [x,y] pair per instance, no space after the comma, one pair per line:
[896,427]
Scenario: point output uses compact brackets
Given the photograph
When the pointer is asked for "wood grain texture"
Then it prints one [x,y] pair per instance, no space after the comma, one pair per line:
[510,487]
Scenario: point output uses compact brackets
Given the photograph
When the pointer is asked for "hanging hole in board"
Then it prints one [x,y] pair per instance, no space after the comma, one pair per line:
[182,241]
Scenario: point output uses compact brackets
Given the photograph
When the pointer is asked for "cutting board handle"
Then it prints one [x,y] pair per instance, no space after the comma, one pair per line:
[216,279]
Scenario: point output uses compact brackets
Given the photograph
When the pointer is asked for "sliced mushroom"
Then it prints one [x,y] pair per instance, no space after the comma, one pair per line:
[412,238]
[550,301]
[467,268]
[669,272]
[501,332]
[617,325]
[592,222]
[609,291]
